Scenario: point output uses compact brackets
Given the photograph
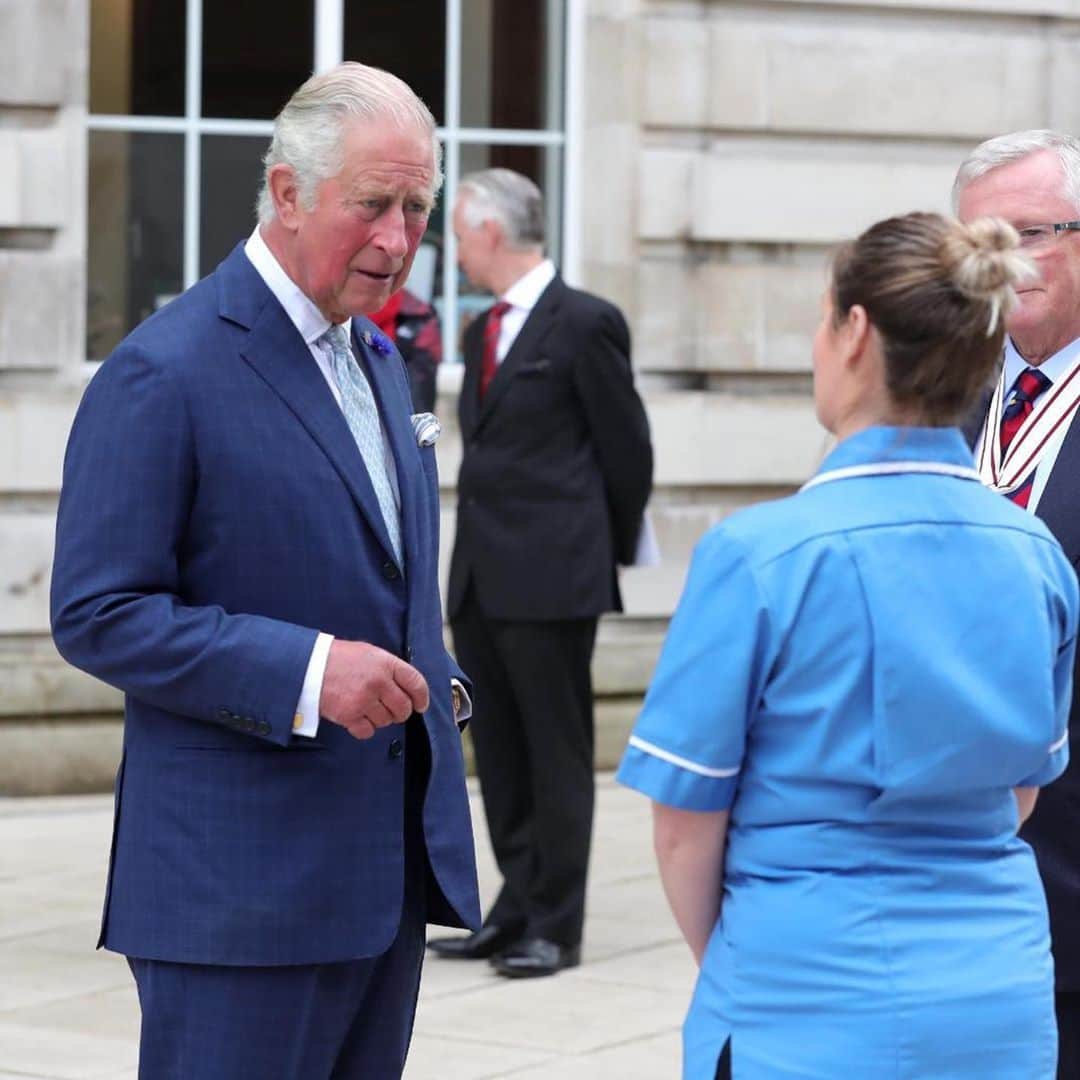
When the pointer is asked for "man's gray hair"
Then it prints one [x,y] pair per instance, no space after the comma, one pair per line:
[1007,149]
[508,198]
[308,131]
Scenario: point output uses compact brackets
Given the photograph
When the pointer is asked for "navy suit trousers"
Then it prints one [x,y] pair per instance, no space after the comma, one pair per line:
[342,1021]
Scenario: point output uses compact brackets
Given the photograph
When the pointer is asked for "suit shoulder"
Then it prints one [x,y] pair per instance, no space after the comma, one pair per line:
[590,305]
[185,334]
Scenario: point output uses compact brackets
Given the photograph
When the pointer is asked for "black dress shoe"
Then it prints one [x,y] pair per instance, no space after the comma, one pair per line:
[486,942]
[534,957]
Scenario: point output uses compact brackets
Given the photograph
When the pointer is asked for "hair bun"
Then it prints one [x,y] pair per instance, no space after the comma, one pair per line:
[984,262]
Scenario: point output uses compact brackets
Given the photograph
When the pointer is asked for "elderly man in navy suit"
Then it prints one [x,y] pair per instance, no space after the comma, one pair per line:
[247,546]
[1028,448]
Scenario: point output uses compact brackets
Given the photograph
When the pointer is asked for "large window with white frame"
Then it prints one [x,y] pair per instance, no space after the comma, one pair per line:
[182,98]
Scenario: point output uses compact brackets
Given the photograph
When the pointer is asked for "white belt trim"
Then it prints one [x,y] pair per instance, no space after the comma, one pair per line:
[683,763]
[892,468]
[1055,747]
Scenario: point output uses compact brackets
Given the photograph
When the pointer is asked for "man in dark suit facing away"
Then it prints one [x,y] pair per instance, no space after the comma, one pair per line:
[1028,447]
[555,475]
[247,547]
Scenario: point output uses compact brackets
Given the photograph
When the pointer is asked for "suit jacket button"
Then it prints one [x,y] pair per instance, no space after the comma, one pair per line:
[395,748]
[262,727]
[408,653]
[224,715]
[390,571]
[247,723]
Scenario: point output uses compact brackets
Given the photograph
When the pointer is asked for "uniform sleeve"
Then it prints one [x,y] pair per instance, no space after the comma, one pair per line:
[1065,610]
[687,747]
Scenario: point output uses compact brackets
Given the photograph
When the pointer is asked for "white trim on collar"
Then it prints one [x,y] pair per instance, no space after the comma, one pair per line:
[892,468]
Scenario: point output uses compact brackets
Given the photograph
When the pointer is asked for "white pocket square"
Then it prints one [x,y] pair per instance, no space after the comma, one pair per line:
[426,428]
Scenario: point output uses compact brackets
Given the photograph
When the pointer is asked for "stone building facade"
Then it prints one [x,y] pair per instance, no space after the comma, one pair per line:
[724,148]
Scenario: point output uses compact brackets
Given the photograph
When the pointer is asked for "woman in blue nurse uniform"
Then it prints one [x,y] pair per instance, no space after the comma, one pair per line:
[861,691]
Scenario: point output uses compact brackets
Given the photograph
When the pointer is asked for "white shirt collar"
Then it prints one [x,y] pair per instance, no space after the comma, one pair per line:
[302,312]
[1053,368]
[525,292]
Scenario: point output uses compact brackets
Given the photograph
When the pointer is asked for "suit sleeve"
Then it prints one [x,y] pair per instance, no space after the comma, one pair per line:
[618,425]
[118,612]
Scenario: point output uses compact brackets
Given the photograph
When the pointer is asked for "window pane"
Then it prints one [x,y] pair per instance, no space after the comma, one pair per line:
[255,54]
[406,37]
[134,227]
[511,64]
[539,163]
[137,57]
[231,174]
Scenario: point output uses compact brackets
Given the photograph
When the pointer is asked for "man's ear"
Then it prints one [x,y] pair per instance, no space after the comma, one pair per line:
[493,232]
[286,196]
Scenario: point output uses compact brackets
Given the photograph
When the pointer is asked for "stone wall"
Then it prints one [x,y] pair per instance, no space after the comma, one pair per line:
[728,146]
[51,733]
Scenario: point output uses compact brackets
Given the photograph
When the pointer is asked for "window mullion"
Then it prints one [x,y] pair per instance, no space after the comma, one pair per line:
[452,166]
[329,33]
[192,146]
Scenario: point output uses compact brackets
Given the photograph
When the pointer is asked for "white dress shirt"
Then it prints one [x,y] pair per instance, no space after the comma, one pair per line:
[1055,369]
[522,297]
[312,324]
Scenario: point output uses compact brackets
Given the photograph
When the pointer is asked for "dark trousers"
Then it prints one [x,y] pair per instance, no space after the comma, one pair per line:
[1067,1007]
[343,1021]
[532,730]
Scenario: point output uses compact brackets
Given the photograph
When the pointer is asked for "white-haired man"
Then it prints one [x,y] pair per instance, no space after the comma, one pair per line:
[1029,449]
[247,547]
[556,472]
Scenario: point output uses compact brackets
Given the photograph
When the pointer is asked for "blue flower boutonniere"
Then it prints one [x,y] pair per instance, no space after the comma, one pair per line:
[377,340]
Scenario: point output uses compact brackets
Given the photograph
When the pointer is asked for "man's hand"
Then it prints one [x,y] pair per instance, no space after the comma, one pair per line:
[366,688]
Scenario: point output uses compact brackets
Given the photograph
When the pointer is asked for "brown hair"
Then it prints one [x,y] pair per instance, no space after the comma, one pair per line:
[937,292]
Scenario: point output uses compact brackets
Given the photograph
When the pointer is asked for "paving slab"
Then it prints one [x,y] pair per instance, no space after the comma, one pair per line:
[68,1012]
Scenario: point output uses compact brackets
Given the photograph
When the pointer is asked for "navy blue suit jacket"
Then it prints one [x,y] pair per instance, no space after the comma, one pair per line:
[215,515]
[1053,830]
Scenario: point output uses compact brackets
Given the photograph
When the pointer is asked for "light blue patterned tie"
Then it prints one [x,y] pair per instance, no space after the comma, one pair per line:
[362,416]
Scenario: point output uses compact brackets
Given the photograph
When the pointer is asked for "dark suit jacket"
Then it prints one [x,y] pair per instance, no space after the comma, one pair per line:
[1053,830]
[556,467]
[216,514]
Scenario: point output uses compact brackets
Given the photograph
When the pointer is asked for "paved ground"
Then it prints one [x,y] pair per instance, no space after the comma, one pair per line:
[69,1013]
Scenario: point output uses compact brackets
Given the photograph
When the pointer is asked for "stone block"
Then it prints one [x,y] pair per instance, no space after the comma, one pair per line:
[40,324]
[713,439]
[26,546]
[676,72]
[59,757]
[29,37]
[38,682]
[806,193]
[1063,80]
[612,76]
[821,72]
[1028,8]
[609,196]
[34,427]
[667,187]
[669,314]
[35,163]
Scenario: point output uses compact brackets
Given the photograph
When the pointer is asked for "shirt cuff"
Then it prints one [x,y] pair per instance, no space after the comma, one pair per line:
[462,701]
[306,717]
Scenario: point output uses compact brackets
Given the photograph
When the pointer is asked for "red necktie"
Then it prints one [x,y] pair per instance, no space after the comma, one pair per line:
[1021,402]
[489,364]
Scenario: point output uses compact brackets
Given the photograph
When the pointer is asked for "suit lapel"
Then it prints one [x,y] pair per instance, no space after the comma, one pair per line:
[279,355]
[1057,505]
[537,325]
[469,399]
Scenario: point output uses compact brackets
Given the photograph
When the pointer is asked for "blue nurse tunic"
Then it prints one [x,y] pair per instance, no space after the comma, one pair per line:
[861,673]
